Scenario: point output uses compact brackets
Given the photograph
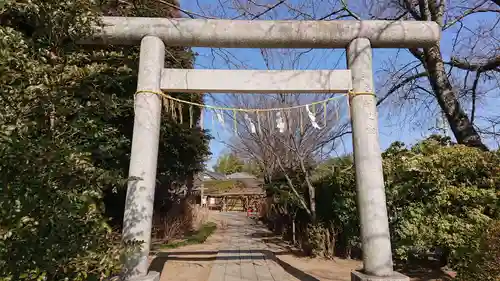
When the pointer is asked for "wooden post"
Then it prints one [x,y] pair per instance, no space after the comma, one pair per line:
[202,194]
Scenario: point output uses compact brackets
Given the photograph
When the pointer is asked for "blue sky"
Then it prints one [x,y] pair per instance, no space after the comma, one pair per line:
[394,125]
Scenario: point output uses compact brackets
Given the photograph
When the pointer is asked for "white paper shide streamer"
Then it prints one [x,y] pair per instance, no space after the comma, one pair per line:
[220,117]
[312,118]
[284,118]
[250,123]
[280,123]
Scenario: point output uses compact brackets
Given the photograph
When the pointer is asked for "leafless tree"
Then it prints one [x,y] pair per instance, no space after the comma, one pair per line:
[457,78]
[297,145]
[467,77]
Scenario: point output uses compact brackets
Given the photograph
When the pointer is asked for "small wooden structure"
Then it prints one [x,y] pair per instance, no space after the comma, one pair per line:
[237,201]
[230,194]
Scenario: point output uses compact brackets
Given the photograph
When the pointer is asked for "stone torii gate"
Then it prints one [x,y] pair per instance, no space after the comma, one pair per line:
[357,37]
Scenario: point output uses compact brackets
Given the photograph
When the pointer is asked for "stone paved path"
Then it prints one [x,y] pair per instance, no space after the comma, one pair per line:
[234,253]
[242,256]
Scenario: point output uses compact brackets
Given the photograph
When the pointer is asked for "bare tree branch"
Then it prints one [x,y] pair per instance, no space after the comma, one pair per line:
[401,84]
[474,96]
[490,64]
[291,185]
[351,13]
[410,7]
[331,14]
[470,44]
[268,9]
[469,12]
[186,12]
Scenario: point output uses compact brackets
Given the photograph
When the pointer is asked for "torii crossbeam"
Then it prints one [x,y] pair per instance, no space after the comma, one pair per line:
[357,37]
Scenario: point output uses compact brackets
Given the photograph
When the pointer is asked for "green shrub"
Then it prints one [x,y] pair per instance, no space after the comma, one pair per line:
[66,115]
[51,223]
[485,262]
[336,202]
[50,218]
[439,197]
[319,241]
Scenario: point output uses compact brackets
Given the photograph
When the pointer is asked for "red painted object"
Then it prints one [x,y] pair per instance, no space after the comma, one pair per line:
[251,213]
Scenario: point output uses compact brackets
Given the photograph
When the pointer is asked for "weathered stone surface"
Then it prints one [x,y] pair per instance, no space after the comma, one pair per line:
[375,237]
[266,34]
[138,213]
[255,81]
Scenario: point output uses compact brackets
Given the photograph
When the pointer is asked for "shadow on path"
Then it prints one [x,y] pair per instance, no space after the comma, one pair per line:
[243,244]
[194,256]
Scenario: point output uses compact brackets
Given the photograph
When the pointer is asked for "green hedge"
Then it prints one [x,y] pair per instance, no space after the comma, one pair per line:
[66,119]
[440,196]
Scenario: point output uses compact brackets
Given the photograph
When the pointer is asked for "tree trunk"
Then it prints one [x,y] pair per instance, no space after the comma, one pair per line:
[189,187]
[460,124]
[312,191]
[348,252]
[312,201]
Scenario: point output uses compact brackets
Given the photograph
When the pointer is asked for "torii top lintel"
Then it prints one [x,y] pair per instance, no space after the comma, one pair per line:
[265,33]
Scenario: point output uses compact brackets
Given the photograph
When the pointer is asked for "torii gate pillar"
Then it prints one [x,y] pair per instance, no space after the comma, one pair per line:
[138,216]
[370,192]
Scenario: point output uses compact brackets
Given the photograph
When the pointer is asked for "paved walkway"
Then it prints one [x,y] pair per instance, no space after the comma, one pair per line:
[243,256]
[237,252]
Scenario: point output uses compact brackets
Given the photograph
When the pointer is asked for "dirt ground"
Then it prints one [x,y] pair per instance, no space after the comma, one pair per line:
[340,269]
[178,264]
[324,270]
[194,262]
